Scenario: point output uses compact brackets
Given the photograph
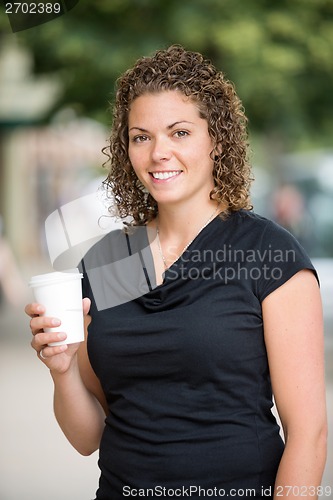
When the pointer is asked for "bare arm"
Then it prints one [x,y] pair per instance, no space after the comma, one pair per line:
[79,402]
[293,328]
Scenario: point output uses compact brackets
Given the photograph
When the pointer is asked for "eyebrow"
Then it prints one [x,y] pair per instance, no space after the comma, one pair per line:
[169,127]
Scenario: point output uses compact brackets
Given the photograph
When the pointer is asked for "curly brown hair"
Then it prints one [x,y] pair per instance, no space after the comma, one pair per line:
[188,72]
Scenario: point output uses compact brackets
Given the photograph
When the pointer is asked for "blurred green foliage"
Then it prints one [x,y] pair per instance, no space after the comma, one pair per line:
[279,53]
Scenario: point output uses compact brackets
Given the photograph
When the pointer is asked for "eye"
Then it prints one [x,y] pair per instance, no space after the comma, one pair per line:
[140,138]
[181,133]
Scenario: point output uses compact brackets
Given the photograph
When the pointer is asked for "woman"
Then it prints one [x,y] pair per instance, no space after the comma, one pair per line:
[219,307]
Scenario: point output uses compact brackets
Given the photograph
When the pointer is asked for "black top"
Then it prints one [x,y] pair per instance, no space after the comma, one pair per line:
[183,365]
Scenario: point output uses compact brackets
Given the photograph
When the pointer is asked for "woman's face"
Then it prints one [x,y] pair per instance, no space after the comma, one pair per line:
[170,147]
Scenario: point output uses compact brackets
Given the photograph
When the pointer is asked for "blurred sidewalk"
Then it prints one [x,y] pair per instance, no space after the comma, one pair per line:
[36,461]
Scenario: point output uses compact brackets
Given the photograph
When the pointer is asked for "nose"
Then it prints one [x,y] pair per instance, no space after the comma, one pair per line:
[161,150]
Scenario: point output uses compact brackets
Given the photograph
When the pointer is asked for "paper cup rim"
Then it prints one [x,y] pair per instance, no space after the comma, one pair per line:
[54,277]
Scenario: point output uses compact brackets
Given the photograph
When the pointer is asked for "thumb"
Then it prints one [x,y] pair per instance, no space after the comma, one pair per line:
[86,303]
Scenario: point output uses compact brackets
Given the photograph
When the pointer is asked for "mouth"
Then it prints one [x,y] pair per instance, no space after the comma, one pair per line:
[162,176]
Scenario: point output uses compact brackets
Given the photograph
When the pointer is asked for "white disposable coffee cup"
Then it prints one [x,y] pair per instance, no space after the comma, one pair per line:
[61,295]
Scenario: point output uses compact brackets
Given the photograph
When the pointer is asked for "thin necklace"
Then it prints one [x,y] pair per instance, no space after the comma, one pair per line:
[188,244]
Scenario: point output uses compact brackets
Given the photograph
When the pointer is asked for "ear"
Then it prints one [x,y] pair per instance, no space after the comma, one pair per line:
[217,151]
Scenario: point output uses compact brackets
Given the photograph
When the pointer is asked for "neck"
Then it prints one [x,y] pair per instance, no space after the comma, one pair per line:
[176,230]
[174,222]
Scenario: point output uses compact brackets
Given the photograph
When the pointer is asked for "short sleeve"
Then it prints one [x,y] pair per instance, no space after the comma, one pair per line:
[281,256]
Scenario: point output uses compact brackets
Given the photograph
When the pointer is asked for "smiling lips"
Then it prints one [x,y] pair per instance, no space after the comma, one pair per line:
[165,175]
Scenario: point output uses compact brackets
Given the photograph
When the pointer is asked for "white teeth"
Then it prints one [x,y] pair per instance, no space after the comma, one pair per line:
[165,175]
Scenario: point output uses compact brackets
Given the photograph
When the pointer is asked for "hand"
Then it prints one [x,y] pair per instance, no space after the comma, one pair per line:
[56,358]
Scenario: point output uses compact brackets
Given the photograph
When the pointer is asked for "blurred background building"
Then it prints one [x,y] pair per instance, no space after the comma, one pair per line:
[56,82]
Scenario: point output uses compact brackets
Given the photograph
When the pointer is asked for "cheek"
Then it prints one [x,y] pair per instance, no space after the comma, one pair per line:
[130,154]
[137,166]
[134,164]
[136,157]
[201,157]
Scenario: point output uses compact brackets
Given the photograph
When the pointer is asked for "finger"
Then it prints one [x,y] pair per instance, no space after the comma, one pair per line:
[41,340]
[39,323]
[47,352]
[34,309]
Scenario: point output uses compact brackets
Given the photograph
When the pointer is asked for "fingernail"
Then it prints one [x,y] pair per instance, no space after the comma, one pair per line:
[61,336]
[55,322]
